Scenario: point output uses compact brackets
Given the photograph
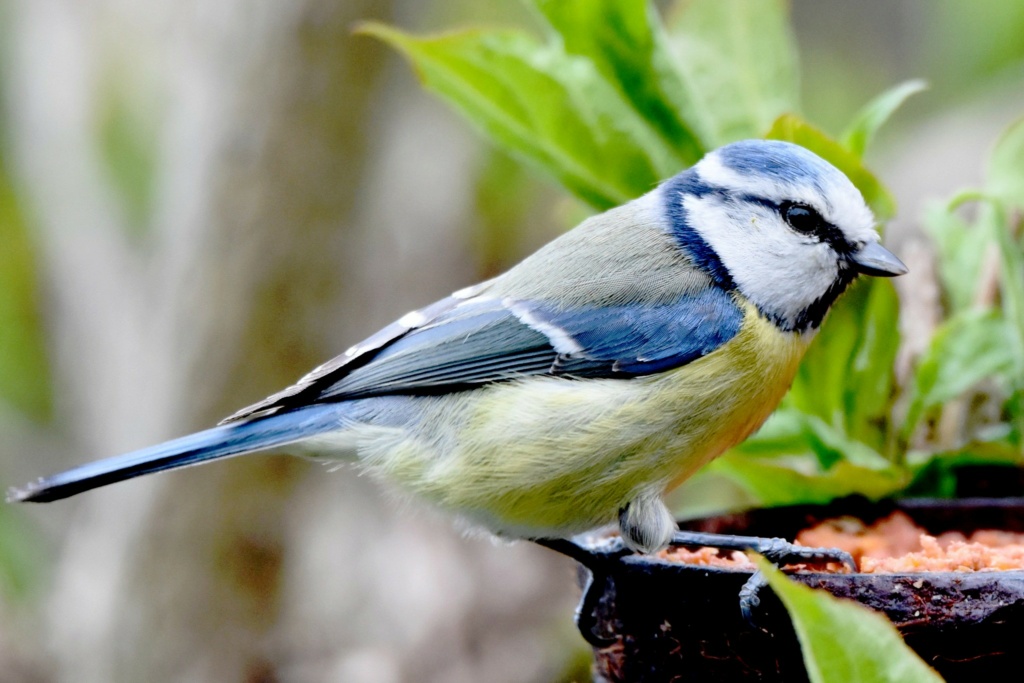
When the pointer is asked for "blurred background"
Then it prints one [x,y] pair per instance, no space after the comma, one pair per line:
[201,201]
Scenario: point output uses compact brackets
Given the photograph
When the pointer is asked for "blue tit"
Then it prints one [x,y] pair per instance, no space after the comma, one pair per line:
[576,389]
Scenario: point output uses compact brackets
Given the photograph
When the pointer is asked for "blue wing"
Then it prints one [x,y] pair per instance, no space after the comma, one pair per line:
[632,340]
[453,345]
[458,344]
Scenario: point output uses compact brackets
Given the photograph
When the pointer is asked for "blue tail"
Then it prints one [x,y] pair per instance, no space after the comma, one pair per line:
[219,442]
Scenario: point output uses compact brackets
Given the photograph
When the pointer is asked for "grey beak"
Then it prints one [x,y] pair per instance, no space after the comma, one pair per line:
[874,259]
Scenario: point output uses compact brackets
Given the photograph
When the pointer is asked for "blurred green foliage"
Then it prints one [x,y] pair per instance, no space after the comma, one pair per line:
[861,131]
[967,51]
[981,267]
[127,145]
[968,43]
[24,366]
[25,377]
[23,562]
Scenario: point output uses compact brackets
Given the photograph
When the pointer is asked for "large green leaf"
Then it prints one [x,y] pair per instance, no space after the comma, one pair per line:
[737,61]
[552,109]
[843,642]
[794,129]
[625,41]
[875,113]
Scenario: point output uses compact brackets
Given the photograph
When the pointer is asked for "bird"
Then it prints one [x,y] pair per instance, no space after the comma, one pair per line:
[576,389]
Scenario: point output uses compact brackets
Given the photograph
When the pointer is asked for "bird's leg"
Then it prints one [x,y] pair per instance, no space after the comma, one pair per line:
[646,525]
[778,551]
[775,550]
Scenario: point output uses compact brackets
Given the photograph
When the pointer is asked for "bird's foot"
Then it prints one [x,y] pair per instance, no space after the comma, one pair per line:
[598,560]
[778,551]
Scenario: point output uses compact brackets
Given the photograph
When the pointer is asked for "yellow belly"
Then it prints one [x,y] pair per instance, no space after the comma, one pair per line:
[548,456]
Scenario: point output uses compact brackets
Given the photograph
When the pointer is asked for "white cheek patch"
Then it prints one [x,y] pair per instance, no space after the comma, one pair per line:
[780,271]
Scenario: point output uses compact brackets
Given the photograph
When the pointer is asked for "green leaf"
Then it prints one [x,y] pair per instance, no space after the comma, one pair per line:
[844,642]
[549,108]
[1006,182]
[797,479]
[875,113]
[961,249]
[737,61]
[1006,185]
[870,382]
[791,431]
[786,432]
[792,128]
[625,41]
[821,382]
[24,365]
[1011,285]
[967,348]
[1006,167]
[1006,216]
[847,376]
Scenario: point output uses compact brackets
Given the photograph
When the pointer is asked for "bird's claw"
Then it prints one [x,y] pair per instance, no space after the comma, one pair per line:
[750,599]
[778,551]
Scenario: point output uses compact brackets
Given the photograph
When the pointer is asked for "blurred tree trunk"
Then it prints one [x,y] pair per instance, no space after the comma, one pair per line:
[214,224]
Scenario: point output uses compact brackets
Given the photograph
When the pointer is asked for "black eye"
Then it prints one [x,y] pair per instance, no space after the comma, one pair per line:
[802,218]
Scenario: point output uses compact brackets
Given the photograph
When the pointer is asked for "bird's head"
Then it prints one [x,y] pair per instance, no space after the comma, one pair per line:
[780,224]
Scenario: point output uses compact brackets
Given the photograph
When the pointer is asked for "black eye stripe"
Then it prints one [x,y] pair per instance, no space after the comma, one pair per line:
[807,221]
[823,231]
